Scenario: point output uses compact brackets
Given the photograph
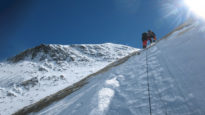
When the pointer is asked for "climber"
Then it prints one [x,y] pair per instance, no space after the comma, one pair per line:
[151,35]
[144,40]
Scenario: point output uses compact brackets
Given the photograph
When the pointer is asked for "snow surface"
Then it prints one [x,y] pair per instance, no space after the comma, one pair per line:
[176,77]
[46,69]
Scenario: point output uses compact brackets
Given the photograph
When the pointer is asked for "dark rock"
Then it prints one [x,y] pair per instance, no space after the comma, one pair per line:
[42,69]
[30,83]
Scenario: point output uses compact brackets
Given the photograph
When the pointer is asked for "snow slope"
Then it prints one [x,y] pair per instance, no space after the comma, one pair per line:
[176,79]
[43,70]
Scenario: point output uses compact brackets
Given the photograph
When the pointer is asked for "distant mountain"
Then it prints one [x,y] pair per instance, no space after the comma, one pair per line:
[45,69]
[73,53]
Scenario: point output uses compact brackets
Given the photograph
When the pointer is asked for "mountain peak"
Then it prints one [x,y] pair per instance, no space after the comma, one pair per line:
[30,52]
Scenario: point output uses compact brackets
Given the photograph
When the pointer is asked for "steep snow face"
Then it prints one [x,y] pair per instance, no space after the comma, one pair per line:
[175,67]
[41,71]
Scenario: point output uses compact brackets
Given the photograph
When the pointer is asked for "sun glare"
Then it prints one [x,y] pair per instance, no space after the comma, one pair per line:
[196,6]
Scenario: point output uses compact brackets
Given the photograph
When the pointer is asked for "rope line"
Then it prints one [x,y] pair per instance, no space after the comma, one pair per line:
[148,87]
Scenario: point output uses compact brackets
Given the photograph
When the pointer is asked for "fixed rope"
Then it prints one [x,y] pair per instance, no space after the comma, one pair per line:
[148,86]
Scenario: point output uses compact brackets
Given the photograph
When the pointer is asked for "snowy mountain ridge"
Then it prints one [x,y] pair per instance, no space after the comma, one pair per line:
[173,67]
[45,69]
[76,52]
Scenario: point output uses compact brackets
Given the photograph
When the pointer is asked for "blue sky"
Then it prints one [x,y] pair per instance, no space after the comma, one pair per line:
[28,23]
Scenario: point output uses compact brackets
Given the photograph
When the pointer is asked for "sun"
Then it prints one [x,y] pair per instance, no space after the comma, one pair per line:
[196,6]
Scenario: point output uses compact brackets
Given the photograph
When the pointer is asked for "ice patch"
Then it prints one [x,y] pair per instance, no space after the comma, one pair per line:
[113,82]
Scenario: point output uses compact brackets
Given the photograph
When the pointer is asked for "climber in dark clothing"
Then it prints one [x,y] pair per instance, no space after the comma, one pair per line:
[151,35]
[144,40]
[148,36]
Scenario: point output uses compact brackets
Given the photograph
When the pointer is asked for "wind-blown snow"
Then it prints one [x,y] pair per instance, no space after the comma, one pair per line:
[41,71]
[113,82]
[176,78]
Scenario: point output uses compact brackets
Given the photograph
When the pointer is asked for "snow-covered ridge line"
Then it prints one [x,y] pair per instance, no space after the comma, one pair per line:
[188,25]
[179,28]
[70,89]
